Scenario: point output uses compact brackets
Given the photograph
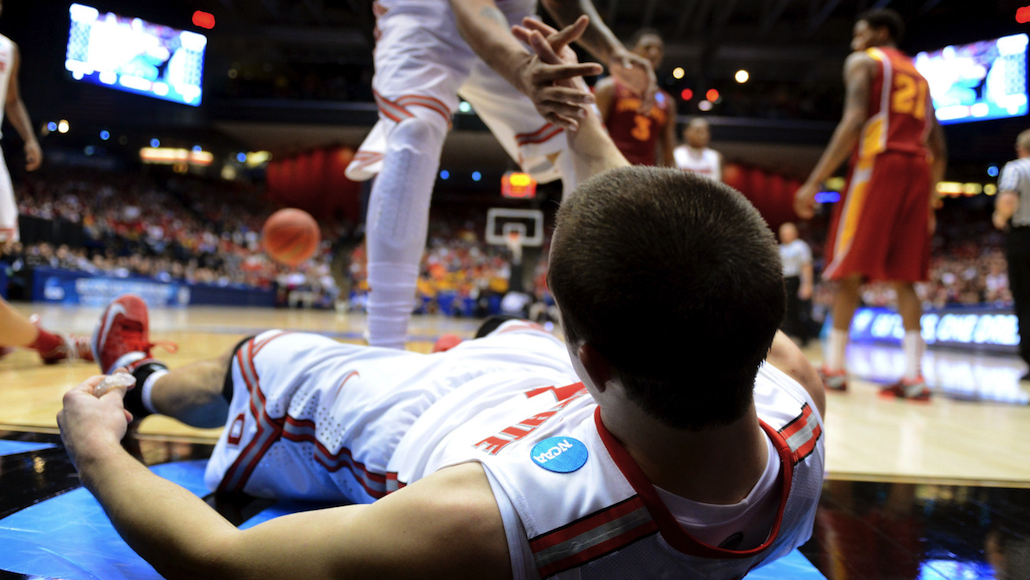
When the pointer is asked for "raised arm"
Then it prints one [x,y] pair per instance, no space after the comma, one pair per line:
[15,111]
[631,68]
[939,150]
[859,69]
[592,149]
[667,141]
[1007,202]
[604,92]
[485,28]
[445,526]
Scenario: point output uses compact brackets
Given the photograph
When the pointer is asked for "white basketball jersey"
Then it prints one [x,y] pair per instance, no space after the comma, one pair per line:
[704,161]
[6,63]
[587,509]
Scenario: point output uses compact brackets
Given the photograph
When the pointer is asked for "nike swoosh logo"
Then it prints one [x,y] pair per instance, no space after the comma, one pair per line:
[112,311]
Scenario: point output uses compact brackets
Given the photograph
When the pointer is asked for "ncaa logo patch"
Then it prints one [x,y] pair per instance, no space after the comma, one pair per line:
[560,454]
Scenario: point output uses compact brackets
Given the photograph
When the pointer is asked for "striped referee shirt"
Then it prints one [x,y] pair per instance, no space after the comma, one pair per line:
[794,256]
[1015,177]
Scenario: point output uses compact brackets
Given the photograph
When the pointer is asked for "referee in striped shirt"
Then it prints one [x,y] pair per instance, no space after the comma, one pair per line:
[1012,211]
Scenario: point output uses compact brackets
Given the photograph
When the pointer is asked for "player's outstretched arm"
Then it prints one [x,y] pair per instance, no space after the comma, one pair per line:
[485,28]
[787,357]
[858,75]
[632,69]
[592,149]
[445,526]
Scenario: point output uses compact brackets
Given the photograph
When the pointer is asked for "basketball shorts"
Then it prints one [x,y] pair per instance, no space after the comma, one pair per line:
[314,419]
[421,60]
[8,207]
[879,228]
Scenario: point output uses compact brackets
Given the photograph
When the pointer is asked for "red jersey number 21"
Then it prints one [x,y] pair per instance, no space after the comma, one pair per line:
[909,96]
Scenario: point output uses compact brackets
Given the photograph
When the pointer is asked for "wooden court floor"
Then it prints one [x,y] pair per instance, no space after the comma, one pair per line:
[974,432]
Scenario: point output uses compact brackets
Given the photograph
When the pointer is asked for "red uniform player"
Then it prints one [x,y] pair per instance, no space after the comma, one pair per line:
[881,228]
[644,138]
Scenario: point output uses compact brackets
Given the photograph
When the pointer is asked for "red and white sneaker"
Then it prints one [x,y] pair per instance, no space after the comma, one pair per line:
[911,389]
[834,380]
[122,335]
[71,347]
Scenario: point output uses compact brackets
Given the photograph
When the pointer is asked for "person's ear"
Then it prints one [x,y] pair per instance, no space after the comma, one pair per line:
[596,366]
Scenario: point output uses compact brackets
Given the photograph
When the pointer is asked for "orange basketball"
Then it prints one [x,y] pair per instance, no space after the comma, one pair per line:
[290,236]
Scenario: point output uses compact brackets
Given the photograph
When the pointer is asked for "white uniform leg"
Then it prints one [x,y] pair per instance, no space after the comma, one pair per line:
[398,219]
[8,208]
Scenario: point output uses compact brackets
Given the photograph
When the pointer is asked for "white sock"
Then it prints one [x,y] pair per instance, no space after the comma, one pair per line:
[148,387]
[390,302]
[913,346]
[834,354]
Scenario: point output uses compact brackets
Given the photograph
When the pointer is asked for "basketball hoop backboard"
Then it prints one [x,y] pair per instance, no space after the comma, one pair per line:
[502,224]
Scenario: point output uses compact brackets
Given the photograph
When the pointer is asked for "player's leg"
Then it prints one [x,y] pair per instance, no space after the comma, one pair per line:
[419,67]
[908,261]
[845,302]
[911,311]
[17,330]
[194,394]
[1017,253]
[398,221]
[8,207]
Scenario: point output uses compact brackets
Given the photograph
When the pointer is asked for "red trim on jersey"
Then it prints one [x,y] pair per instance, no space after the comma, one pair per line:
[670,529]
[585,525]
[541,135]
[259,413]
[798,424]
[334,462]
[570,531]
[428,102]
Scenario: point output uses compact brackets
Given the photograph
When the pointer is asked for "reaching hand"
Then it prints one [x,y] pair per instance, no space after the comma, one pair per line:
[637,73]
[552,78]
[33,156]
[89,424]
[804,201]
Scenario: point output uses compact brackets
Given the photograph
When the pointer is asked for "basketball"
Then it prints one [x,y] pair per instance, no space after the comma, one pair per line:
[290,236]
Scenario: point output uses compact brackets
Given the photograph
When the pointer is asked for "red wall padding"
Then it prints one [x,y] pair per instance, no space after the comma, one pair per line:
[315,182]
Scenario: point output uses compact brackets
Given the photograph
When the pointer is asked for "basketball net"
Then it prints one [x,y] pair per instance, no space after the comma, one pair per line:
[514,242]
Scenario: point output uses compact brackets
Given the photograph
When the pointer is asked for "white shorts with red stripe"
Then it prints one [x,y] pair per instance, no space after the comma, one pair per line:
[422,61]
[312,418]
[8,207]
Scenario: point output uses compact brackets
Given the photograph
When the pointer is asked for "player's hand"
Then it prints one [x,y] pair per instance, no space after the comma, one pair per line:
[33,156]
[550,77]
[804,201]
[999,221]
[805,291]
[931,223]
[635,72]
[90,425]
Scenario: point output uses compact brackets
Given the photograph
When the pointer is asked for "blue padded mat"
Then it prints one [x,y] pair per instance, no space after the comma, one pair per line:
[11,447]
[69,536]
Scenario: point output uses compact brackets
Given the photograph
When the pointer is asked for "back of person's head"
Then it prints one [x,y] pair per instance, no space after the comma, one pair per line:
[1023,142]
[640,34]
[885,18]
[676,280]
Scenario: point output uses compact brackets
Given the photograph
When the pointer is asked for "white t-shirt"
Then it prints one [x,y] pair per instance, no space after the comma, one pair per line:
[704,161]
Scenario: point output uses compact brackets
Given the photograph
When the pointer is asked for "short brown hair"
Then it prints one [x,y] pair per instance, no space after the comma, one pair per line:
[676,280]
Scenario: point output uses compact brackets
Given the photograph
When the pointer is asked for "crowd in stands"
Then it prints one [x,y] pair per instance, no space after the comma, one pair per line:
[184,228]
[174,227]
[460,272]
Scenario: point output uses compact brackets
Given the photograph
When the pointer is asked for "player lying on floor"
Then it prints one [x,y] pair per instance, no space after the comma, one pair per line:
[691,447]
